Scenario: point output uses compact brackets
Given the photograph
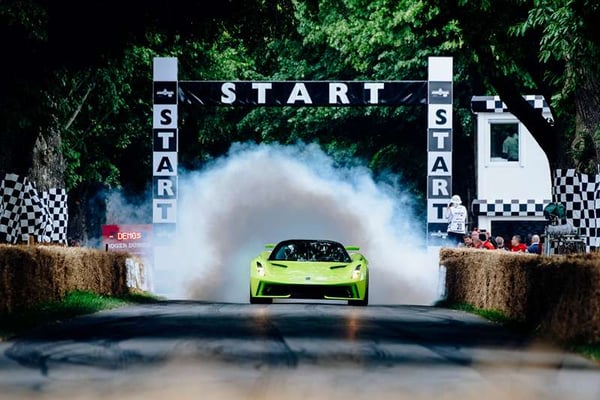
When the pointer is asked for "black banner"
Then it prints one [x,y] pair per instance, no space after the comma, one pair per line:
[303,93]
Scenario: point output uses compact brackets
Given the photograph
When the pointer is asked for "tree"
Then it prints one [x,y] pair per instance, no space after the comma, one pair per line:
[543,46]
[23,116]
[82,73]
[386,40]
[510,47]
[568,38]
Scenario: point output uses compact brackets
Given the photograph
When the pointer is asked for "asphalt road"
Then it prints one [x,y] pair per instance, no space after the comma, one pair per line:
[192,350]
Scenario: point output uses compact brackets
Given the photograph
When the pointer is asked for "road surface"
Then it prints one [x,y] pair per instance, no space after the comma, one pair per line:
[193,350]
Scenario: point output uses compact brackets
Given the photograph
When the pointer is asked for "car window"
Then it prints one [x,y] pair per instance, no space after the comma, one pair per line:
[312,251]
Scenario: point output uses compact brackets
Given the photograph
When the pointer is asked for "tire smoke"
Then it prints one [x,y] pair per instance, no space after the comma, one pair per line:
[266,193]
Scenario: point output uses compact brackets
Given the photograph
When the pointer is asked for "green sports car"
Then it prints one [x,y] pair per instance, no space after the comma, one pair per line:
[310,269]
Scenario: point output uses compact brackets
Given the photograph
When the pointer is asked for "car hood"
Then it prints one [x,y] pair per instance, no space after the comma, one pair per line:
[315,272]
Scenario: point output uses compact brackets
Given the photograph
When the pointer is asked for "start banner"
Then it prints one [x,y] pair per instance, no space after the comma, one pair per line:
[298,93]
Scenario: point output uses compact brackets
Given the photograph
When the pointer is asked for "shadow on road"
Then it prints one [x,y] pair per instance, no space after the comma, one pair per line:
[278,335]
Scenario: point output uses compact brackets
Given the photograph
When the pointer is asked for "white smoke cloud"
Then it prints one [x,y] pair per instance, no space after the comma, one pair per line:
[266,193]
[122,210]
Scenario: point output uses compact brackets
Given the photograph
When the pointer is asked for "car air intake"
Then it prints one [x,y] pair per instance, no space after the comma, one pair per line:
[308,291]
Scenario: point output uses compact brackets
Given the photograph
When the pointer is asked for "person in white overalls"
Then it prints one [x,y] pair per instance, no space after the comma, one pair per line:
[457,217]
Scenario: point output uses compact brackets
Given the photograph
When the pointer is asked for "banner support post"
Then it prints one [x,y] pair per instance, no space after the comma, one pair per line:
[439,146]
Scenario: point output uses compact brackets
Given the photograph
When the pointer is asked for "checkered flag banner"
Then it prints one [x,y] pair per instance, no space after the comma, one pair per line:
[26,213]
[509,208]
[580,194]
[56,202]
[12,188]
[35,219]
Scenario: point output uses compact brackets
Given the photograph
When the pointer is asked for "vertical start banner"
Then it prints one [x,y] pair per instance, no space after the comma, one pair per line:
[439,143]
[165,146]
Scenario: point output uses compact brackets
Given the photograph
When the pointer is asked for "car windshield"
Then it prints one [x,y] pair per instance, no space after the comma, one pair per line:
[310,250]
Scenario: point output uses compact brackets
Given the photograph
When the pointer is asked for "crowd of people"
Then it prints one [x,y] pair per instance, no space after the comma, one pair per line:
[481,239]
[457,217]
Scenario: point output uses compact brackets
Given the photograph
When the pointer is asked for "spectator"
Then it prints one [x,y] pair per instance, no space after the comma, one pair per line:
[490,237]
[467,241]
[475,238]
[485,242]
[516,245]
[456,214]
[534,247]
[500,243]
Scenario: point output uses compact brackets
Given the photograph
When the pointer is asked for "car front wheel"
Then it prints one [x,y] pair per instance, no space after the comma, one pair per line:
[360,303]
[260,300]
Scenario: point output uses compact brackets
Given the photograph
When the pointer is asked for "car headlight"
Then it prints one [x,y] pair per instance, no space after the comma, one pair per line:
[356,272]
[260,269]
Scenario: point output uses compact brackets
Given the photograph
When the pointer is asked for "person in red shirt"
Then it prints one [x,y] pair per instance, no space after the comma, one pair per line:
[516,244]
[485,242]
[475,240]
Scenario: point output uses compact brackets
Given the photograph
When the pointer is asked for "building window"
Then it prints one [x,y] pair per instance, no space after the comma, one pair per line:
[504,142]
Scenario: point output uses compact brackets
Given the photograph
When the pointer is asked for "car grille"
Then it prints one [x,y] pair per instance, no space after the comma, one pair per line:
[308,291]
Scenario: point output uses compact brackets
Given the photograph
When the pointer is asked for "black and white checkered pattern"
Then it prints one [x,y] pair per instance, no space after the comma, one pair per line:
[509,208]
[11,192]
[493,104]
[580,194]
[56,201]
[25,213]
[35,218]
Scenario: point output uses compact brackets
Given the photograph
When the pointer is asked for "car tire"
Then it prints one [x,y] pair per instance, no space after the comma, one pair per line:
[260,300]
[360,303]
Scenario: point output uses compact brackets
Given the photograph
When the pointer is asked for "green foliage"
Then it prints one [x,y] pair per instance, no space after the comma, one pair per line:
[565,37]
[568,50]
[27,15]
[102,107]
[99,112]
[378,39]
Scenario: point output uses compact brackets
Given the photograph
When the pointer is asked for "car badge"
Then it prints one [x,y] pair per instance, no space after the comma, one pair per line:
[165,92]
[440,92]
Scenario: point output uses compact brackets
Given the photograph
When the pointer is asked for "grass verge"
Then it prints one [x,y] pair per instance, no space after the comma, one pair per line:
[74,304]
[491,315]
[590,351]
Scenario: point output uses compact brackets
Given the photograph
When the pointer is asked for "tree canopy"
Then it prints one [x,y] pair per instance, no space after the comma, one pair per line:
[81,72]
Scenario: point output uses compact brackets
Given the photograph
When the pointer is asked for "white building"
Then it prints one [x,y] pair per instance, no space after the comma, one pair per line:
[512,171]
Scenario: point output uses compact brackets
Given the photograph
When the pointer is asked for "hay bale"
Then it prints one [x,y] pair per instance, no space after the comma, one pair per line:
[33,274]
[572,290]
[487,279]
[561,294]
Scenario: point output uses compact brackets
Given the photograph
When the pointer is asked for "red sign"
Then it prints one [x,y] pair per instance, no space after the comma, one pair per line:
[134,239]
